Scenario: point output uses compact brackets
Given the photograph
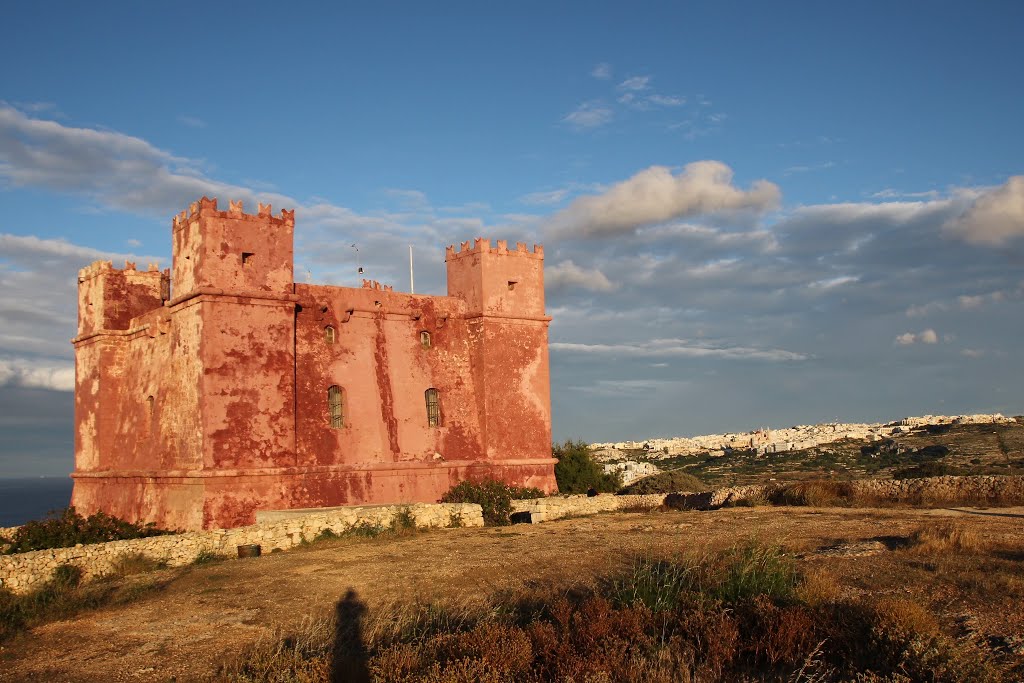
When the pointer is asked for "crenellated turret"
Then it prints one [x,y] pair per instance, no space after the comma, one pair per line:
[109,298]
[231,250]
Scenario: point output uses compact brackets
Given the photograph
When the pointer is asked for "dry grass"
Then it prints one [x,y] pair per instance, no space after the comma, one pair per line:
[946,537]
[743,614]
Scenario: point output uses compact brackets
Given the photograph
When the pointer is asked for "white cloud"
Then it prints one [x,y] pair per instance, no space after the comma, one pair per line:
[655,195]
[889,193]
[543,198]
[602,71]
[906,339]
[592,114]
[666,100]
[28,373]
[678,348]
[191,121]
[568,274]
[994,218]
[928,336]
[636,83]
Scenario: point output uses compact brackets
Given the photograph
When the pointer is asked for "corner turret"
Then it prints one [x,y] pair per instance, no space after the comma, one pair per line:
[109,298]
[497,280]
[232,251]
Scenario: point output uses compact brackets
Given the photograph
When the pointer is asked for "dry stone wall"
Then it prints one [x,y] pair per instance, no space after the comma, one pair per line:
[23,571]
[558,507]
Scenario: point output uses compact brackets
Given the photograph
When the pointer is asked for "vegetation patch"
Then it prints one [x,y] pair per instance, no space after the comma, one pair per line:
[65,595]
[577,472]
[673,481]
[494,497]
[66,528]
[744,614]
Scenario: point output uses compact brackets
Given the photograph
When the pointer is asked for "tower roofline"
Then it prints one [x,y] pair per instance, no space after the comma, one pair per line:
[207,207]
[482,245]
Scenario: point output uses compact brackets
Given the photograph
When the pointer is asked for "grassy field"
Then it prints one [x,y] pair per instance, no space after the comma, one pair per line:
[660,596]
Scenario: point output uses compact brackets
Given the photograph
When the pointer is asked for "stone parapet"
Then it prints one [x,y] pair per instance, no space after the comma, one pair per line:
[23,571]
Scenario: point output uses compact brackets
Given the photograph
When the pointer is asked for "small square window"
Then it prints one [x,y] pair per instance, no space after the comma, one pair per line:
[247,258]
[512,285]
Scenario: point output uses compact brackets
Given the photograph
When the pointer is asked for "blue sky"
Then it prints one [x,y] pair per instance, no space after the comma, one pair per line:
[753,213]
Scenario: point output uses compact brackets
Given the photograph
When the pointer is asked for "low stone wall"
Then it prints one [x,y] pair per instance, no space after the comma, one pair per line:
[941,489]
[557,507]
[23,571]
[931,490]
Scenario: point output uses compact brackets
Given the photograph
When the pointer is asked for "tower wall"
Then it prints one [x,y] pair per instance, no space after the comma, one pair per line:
[504,294]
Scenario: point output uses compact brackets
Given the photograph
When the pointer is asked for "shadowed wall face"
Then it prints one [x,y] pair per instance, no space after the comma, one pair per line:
[245,391]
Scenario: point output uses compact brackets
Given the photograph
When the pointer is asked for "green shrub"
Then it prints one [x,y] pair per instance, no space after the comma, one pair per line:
[66,528]
[930,468]
[673,481]
[495,497]
[576,470]
[207,557]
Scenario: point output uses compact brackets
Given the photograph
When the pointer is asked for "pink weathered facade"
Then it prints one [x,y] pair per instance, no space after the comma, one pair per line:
[241,390]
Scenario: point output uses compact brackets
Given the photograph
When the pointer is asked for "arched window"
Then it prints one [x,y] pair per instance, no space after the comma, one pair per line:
[329,334]
[336,406]
[425,339]
[433,408]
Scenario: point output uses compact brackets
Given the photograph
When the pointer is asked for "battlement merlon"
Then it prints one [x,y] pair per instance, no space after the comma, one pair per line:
[97,268]
[207,208]
[481,245]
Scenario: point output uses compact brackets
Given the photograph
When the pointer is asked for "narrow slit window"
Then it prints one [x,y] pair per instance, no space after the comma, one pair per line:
[425,339]
[247,258]
[147,426]
[329,334]
[433,408]
[336,406]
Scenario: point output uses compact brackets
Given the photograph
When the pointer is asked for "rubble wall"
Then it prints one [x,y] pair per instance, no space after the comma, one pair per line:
[24,571]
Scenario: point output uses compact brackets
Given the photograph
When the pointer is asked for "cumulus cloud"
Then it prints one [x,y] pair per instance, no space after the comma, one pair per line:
[928,336]
[994,218]
[589,115]
[568,274]
[34,374]
[656,195]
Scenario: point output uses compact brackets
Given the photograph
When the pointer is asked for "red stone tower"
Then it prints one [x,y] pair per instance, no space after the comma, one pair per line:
[227,389]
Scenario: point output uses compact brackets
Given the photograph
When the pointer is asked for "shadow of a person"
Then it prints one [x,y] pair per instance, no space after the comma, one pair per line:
[349,660]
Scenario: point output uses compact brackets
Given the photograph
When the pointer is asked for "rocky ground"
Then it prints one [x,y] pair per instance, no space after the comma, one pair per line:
[210,614]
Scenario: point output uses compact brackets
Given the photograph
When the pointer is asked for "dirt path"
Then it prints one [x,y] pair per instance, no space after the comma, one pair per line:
[210,613]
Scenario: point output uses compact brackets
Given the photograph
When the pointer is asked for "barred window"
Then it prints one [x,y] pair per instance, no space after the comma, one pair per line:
[433,408]
[329,334]
[336,406]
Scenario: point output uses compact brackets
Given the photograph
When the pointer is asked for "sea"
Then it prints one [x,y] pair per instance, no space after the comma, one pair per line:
[22,500]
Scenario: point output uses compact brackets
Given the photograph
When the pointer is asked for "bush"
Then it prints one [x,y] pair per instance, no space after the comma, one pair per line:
[673,481]
[577,472]
[813,493]
[495,497]
[66,528]
[929,468]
